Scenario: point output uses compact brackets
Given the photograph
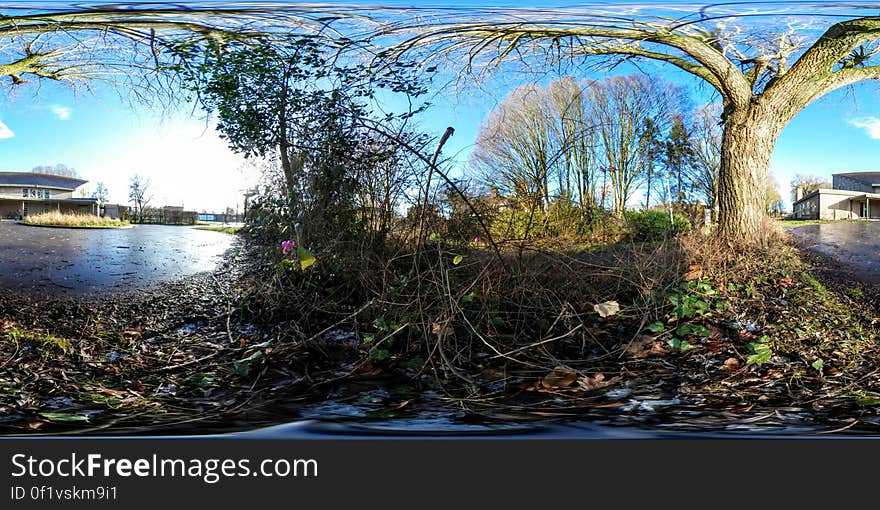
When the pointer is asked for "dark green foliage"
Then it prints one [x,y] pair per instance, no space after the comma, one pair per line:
[334,179]
[652,225]
[285,91]
[678,155]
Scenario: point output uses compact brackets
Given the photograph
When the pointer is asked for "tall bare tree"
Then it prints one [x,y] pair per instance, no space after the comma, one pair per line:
[706,143]
[542,143]
[139,195]
[651,144]
[803,184]
[620,106]
[514,147]
[101,194]
[576,146]
[773,199]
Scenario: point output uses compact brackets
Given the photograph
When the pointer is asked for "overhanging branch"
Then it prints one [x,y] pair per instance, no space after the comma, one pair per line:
[846,77]
[821,58]
[711,64]
[681,63]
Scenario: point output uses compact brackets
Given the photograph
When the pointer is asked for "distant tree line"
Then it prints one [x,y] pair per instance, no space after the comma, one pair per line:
[60,169]
[586,147]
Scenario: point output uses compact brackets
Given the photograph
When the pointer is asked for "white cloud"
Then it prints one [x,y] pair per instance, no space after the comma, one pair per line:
[5,132]
[871,125]
[62,112]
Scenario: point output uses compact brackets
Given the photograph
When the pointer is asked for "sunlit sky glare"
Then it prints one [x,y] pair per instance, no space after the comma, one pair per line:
[108,140]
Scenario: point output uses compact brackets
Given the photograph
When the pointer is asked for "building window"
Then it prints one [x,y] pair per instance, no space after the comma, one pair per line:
[36,193]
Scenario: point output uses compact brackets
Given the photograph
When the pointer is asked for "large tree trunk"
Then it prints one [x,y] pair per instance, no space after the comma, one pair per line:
[746,147]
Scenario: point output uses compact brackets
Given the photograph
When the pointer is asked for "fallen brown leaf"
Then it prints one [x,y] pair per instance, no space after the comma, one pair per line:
[745,335]
[713,346]
[367,371]
[731,364]
[607,308]
[441,329]
[694,272]
[638,345]
[715,333]
[132,334]
[596,382]
[559,377]
[645,346]
[113,393]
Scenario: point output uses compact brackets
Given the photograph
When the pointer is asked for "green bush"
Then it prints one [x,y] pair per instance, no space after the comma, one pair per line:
[651,225]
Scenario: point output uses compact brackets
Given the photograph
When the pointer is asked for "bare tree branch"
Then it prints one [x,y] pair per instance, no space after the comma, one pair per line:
[709,63]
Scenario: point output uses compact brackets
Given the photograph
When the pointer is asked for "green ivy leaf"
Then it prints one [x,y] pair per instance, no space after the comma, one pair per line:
[306,258]
[866,399]
[413,363]
[379,354]
[381,324]
[761,353]
[679,345]
[200,379]
[244,366]
[657,327]
[64,417]
[692,329]
[818,364]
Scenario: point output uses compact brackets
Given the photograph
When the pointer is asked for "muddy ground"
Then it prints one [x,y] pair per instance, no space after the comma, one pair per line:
[176,358]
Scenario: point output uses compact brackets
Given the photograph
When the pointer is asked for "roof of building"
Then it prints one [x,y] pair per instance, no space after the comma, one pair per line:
[867,177]
[45,180]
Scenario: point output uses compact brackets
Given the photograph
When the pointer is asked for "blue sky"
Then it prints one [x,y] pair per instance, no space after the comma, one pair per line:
[107,139]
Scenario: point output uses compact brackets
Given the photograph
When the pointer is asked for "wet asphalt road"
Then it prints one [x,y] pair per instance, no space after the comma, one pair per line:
[74,261]
[853,243]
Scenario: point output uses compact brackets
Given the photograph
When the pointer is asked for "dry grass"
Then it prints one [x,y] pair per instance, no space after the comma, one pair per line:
[57,219]
[225,230]
[531,314]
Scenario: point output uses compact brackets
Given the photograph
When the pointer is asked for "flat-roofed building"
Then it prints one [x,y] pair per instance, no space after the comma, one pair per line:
[854,195]
[26,193]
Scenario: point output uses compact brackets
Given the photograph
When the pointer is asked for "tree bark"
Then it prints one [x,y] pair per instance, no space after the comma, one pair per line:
[746,146]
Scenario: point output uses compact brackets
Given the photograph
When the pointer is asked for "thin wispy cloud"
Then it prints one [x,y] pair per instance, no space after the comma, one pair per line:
[5,132]
[61,112]
[871,125]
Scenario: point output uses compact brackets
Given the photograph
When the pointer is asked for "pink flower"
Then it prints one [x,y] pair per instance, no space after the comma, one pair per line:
[477,239]
[288,246]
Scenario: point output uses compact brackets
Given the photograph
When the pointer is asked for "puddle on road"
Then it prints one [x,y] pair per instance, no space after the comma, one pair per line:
[79,261]
[856,244]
